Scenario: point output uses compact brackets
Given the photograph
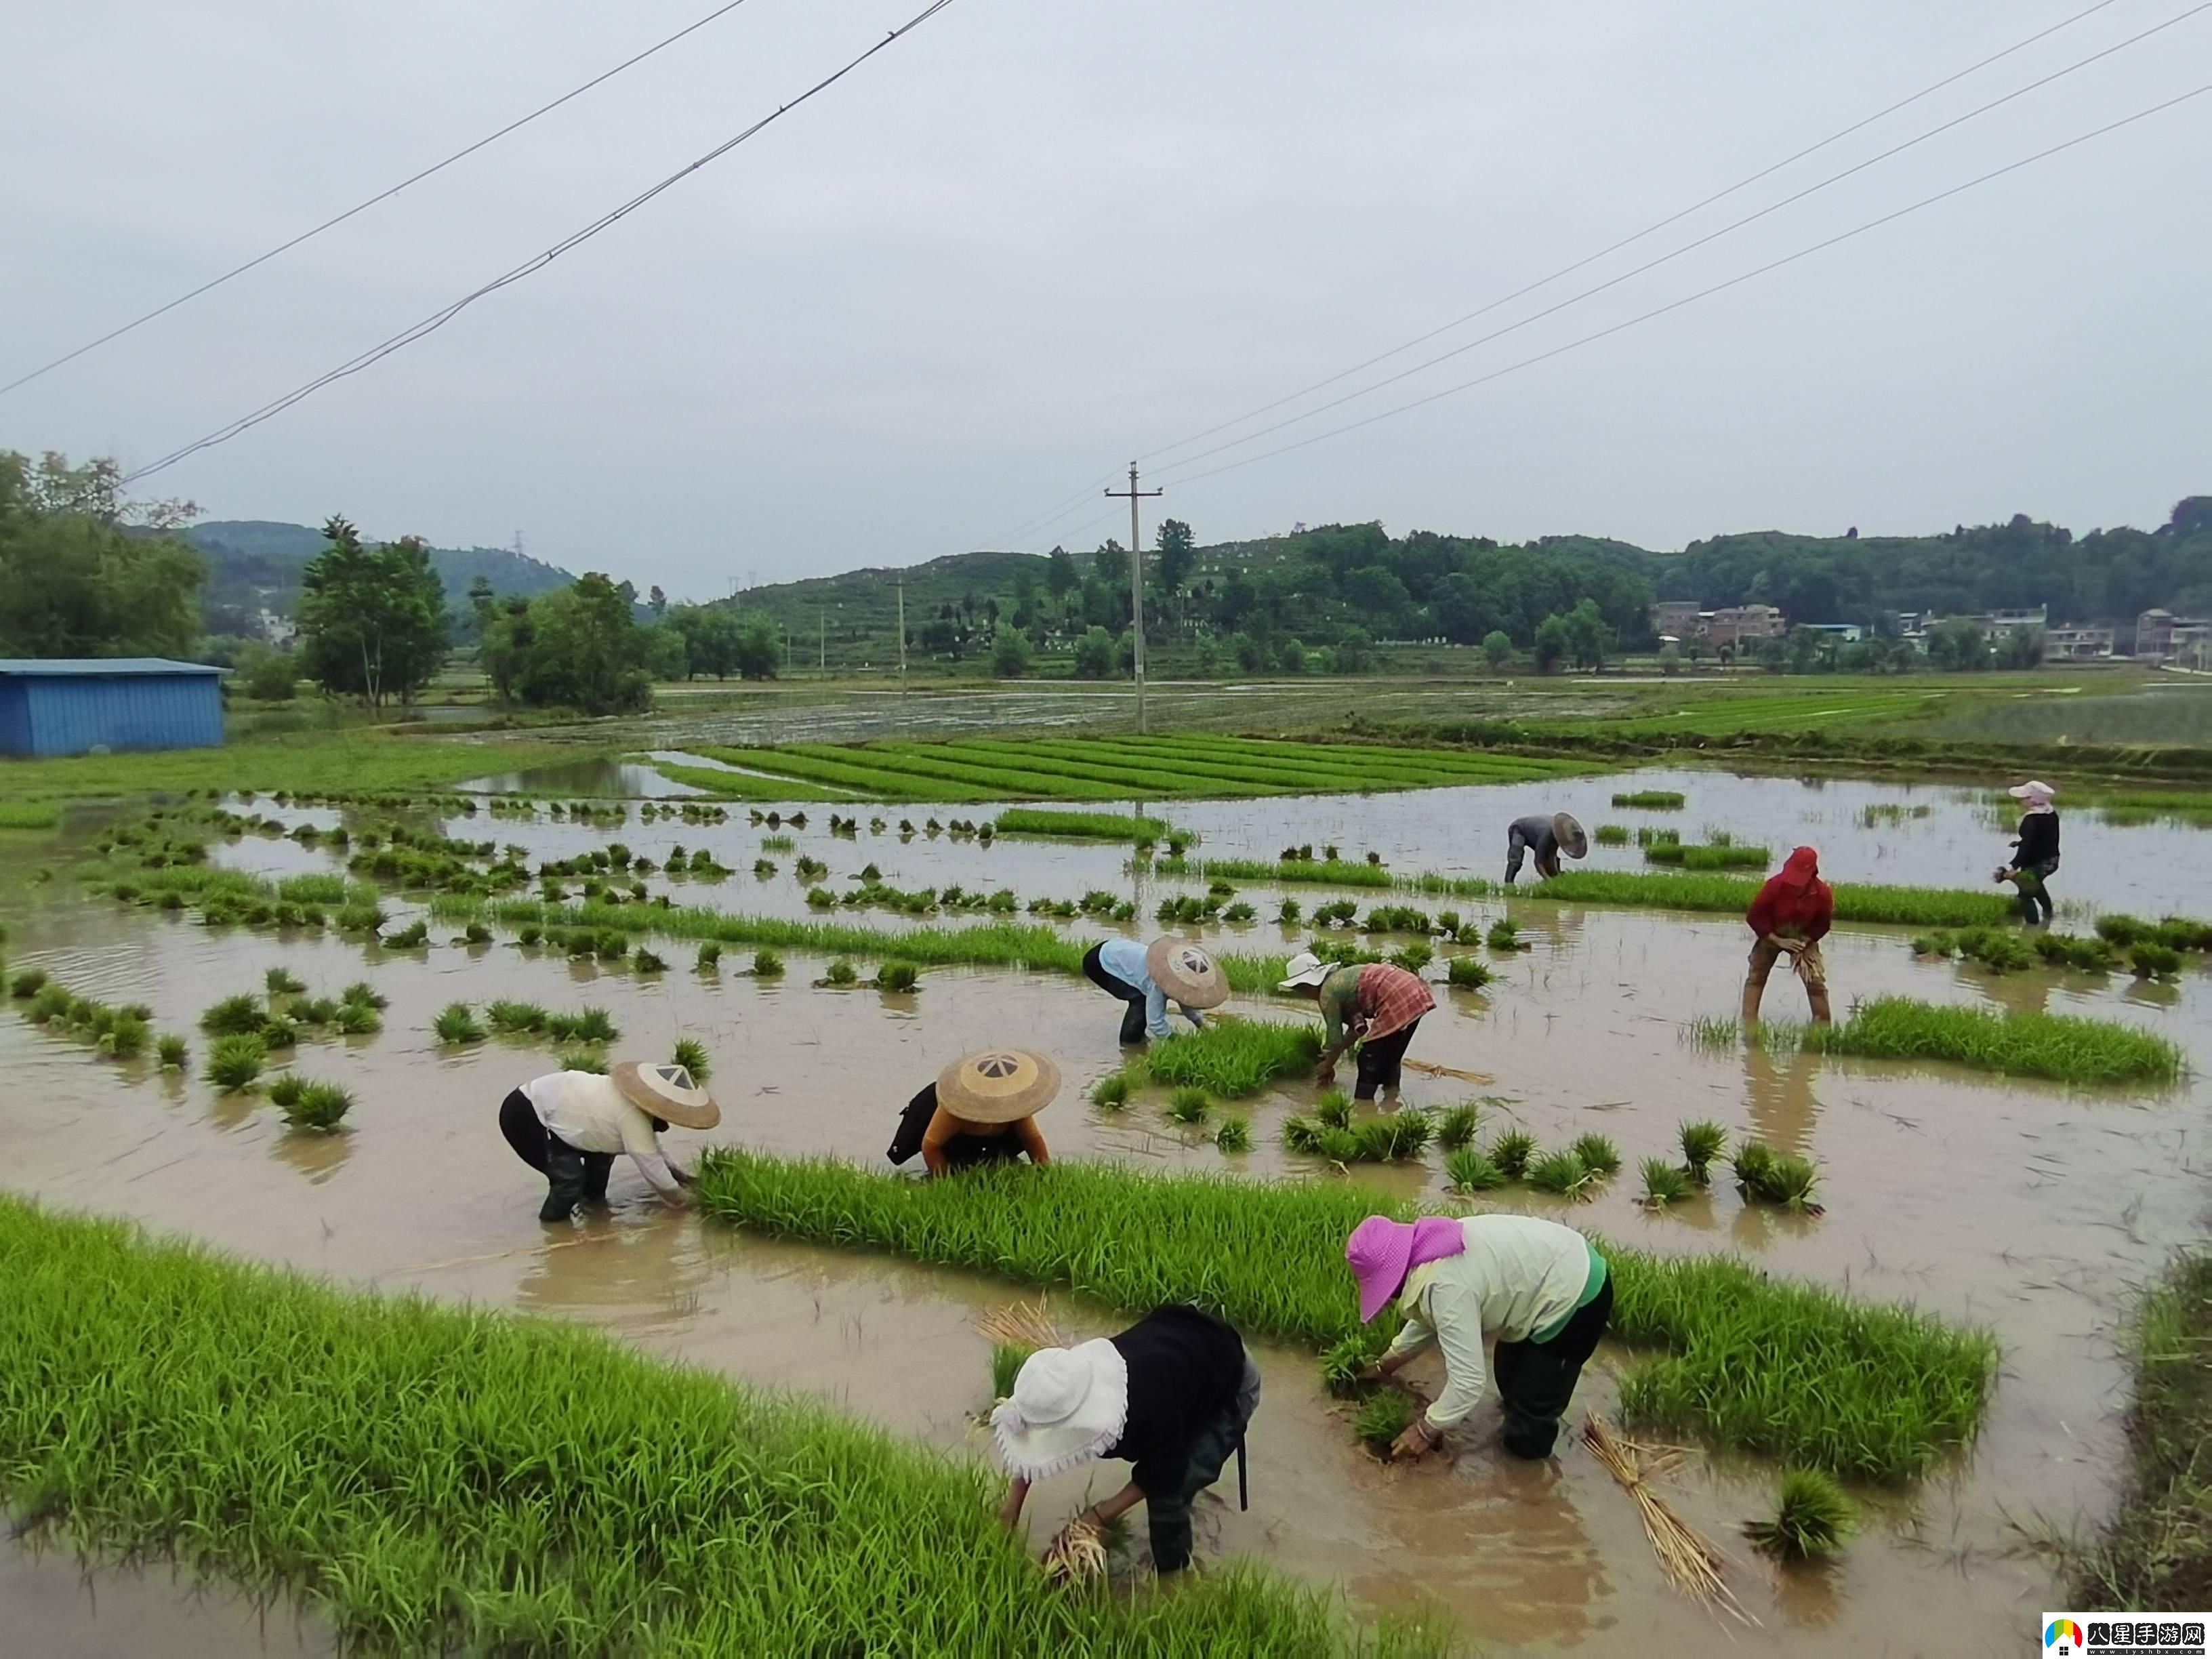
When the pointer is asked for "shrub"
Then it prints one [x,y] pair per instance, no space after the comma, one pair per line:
[1511,1152]
[236,1061]
[457,1022]
[1455,1127]
[1470,1170]
[1599,1155]
[1812,1518]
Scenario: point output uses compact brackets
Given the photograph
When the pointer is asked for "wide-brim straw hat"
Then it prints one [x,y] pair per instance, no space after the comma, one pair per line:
[668,1093]
[1187,972]
[1572,842]
[1068,1406]
[998,1086]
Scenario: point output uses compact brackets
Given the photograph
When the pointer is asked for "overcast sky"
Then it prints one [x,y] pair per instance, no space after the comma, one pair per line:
[968,282]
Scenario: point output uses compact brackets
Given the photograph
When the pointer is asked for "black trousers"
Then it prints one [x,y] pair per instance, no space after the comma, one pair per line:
[1383,1062]
[1132,1015]
[1536,1380]
[572,1178]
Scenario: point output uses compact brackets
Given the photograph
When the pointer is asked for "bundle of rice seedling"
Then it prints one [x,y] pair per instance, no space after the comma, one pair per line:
[173,1052]
[235,1061]
[1111,1092]
[840,973]
[1345,1359]
[233,1016]
[283,983]
[1663,1183]
[1234,1134]
[1772,1178]
[1455,1126]
[356,1019]
[1563,1174]
[649,962]
[285,1088]
[691,1055]
[1334,1107]
[1598,1153]
[515,1018]
[583,1060]
[767,965]
[28,983]
[1394,1137]
[1702,1142]
[709,957]
[1470,1170]
[457,1022]
[1812,1518]
[1187,1104]
[1466,973]
[898,976]
[1691,1564]
[1511,1152]
[1385,1416]
[363,994]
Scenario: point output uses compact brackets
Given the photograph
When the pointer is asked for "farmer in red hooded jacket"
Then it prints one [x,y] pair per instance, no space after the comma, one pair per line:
[1789,917]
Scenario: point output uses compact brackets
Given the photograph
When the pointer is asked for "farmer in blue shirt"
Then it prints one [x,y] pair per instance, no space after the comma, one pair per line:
[1145,977]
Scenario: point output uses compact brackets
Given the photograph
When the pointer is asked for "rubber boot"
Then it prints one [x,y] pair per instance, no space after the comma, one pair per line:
[1752,992]
[1817,996]
[566,1181]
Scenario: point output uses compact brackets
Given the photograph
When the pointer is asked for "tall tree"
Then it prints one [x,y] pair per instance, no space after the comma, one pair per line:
[587,651]
[372,619]
[85,571]
[1176,551]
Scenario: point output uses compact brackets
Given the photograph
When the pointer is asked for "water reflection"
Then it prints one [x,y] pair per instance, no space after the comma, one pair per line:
[1779,1092]
[317,1156]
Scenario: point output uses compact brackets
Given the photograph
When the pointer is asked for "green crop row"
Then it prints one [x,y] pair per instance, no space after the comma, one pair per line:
[1228,1057]
[445,1479]
[1766,1365]
[1327,872]
[742,786]
[1919,906]
[1093,826]
[2060,1047]
[926,766]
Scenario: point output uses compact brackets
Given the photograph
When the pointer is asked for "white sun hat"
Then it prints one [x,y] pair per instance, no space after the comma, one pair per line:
[1068,1406]
[2034,789]
[1303,969]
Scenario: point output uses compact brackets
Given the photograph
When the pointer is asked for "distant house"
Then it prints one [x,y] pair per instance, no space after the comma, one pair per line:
[1730,628]
[1675,619]
[2162,637]
[72,705]
[2078,644]
[1845,633]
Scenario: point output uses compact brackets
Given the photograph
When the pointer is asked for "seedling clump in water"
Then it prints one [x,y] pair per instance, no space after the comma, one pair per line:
[1470,1170]
[1663,1183]
[1599,1155]
[1812,1518]
[1386,1415]
[1455,1127]
[1187,1104]
[1702,1142]
[691,1055]
[1234,1134]
[1511,1152]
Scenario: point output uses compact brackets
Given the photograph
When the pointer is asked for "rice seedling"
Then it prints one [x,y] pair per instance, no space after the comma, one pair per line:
[1911,907]
[276,1034]
[283,983]
[1412,958]
[769,844]
[1344,1361]
[691,1055]
[125,1039]
[515,1019]
[1110,1093]
[1561,1174]
[1383,1417]
[1654,836]
[1687,855]
[1471,1169]
[1230,1058]
[1664,1183]
[1812,1518]
[1455,1126]
[529,937]
[2063,1047]
[1505,935]
[1086,826]
[1599,1155]
[415,936]
[27,983]
[2152,960]
[314,1011]
[2121,929]
[1511,1152]
[1610,835]
[583,1060]
[1652,801]
[1239,914]
[1393,1138]
[767,965]
[1289,913]
[1187,1104]
[456,1023]
[236,1061]
[233,1016]
[285,1089]
[1234,1134]
[1007,1360]
[595,1025]
[1702,1142]
[460,1564]
[840,973]
[172,1052]
[357,1019]
[899,977]
[1334,1107]
[365,995]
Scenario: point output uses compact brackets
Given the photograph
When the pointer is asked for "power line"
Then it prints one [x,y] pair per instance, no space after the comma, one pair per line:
[1717,288]
[1626,241]
[1690,247]
[213,282]
[444,314]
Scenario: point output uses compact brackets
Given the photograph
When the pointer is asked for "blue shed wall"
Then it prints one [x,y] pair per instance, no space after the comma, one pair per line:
[67,715]
[14,719]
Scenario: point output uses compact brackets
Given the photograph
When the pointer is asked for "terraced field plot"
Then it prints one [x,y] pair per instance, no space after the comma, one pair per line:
[1185,766]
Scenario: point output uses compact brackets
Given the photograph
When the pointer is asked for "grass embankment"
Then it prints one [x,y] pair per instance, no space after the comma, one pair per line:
[2156,1553]
[2059,1047]
[1765,1365]
[1083,826]
[441,1479]
[1919,906]
[29,814]
[1182,766]
[343,762]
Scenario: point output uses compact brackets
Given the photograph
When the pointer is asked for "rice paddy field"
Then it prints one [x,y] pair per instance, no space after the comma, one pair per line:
[1945,1329]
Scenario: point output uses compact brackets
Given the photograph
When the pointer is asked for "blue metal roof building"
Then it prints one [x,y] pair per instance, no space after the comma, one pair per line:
[70,705]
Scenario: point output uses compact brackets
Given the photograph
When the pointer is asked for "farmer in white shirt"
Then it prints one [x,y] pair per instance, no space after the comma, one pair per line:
[1538,1291]
[1146,977]
[569,1126]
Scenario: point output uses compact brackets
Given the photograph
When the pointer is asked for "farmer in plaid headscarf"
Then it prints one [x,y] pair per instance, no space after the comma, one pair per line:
[1376,1005]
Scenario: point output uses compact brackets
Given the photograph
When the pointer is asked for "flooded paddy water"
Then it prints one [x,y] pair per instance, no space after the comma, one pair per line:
[2024,1206]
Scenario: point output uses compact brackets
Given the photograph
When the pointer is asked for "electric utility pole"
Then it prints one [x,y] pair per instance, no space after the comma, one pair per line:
[1136,584]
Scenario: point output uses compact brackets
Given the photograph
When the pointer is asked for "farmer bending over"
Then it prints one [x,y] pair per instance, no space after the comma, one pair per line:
[1146,977]
[981,1110]
[2035,853]
[1171,1395]
[1376,1005]
[1546,837]
[1788,917]
[568,1126]
[1537,1290]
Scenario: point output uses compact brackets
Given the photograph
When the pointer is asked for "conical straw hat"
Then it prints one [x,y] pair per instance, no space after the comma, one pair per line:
[666,1092]
[997,1085]
[1187,972]
[1572,842]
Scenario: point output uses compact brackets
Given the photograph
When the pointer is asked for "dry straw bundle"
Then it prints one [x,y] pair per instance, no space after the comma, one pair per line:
[1078,1556]
[1691,1564]
[1022,1325]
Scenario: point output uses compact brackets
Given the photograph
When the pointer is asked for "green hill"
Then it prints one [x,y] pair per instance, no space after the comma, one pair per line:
[254,564]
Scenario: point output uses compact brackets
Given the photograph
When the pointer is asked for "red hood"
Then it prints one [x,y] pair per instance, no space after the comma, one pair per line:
[1801,869]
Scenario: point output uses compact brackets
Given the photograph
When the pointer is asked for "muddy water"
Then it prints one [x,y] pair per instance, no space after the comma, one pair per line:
[2020,1205]
[55,1608]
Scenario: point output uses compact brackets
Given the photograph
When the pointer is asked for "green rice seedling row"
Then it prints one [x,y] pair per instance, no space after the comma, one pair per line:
[1920,906]
[1764,1364]
[1092,826]
[2063,1048]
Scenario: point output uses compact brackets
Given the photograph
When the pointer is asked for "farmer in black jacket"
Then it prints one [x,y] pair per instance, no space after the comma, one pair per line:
[2035,853]
[1171,1395]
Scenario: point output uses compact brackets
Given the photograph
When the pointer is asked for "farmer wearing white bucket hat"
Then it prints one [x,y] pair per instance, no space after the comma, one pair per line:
[2035,853]
[1171,1395]
[1546,837]
[569,1126]
[1145,977]
[1376,1005]
[981,1110]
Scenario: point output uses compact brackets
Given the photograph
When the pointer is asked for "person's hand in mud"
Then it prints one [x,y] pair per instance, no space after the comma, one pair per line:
[1324,1074]
[683,1177]
[1415,1442]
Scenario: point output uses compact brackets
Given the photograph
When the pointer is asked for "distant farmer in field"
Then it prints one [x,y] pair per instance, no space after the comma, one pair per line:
[1788,917]
[1145,977]
[1540,1291]
[1376,1005]
[2035,853]
[569,1126]
[1171,1395]
[981,1110]
[1546,837]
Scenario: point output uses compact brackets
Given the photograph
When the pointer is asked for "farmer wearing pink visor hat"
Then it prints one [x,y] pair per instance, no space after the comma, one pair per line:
[1538,1291]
